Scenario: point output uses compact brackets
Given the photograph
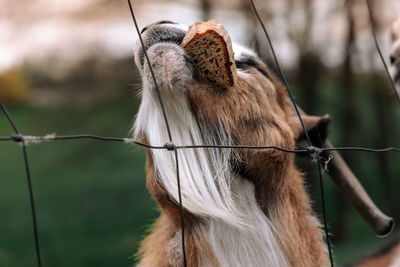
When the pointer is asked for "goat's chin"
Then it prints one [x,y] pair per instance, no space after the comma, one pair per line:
[172,69]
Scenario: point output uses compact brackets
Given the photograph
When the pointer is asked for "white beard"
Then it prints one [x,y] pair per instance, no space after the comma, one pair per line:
[237,230]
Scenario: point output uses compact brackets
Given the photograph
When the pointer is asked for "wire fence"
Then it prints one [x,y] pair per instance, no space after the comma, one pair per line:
[314,152]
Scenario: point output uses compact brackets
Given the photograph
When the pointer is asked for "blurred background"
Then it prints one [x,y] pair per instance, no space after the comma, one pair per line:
[66,67]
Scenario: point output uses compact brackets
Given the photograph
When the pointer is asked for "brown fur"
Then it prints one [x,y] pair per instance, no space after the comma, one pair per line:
[154,248]
[265,121]
[253,112]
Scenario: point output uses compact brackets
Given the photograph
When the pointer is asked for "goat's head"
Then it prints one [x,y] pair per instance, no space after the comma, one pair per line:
[252,112]
[228,190]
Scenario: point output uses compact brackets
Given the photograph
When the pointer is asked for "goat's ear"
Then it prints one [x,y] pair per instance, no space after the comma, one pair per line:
[317,129]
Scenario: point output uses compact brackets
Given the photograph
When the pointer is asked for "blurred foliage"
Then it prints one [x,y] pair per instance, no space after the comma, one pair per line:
[358,239]
[94,79]
[14,87]
[92,204]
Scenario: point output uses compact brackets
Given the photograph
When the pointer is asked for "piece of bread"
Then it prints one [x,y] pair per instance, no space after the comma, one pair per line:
[209,47]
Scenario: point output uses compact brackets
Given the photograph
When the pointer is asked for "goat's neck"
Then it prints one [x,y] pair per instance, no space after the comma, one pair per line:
[297,232]
[285,201]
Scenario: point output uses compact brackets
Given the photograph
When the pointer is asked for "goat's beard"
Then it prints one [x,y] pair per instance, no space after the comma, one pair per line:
[206,178]
[224,201]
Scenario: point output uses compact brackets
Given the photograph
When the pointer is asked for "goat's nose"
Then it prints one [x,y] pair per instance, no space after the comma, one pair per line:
[163,31]
[158,23]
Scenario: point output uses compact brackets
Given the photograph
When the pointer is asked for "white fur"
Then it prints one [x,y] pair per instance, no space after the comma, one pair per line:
[175,250]
[255,245]
[238,231]
[38,139]
[241,50]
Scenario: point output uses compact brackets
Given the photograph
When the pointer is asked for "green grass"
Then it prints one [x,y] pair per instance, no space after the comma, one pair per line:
[92,204]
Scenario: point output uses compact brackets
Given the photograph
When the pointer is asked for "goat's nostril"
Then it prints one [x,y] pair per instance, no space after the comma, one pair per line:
[392,60]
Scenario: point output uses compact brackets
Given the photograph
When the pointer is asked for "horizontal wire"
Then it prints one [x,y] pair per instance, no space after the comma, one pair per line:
[103,138]
[352,148]
[20,138]
[313,150]
[29,180]
[80,136]
[172,147]
[244,147]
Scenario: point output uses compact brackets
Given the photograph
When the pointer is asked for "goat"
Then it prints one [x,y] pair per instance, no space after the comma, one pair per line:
[242,207]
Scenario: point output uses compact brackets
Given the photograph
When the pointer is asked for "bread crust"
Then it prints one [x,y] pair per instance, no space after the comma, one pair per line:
[226,73]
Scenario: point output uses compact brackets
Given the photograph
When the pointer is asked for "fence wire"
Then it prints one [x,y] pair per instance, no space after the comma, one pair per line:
[24,140]
[28,176]
[373,31]
[311,150]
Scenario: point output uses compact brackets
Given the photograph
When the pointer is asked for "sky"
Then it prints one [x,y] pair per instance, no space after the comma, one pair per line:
[34,30]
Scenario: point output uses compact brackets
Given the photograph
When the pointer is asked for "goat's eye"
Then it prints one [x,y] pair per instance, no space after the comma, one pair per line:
[392,60]
[249,61]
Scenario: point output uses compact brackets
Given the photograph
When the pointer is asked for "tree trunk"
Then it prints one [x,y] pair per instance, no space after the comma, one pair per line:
[348,118]
[383,128]
[205,9]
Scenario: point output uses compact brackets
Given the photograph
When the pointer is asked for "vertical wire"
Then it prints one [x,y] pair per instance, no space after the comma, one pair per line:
[180,207]
[176,152]
[168,130]
[283,77]
[311,148]
[28,175]
[32,201]
[373,30]
[151,71]
[5,111]
[321,185]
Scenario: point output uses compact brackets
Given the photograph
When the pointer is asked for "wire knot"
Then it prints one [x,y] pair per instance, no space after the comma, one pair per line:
[312,149]
[17,138]
[170,147]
